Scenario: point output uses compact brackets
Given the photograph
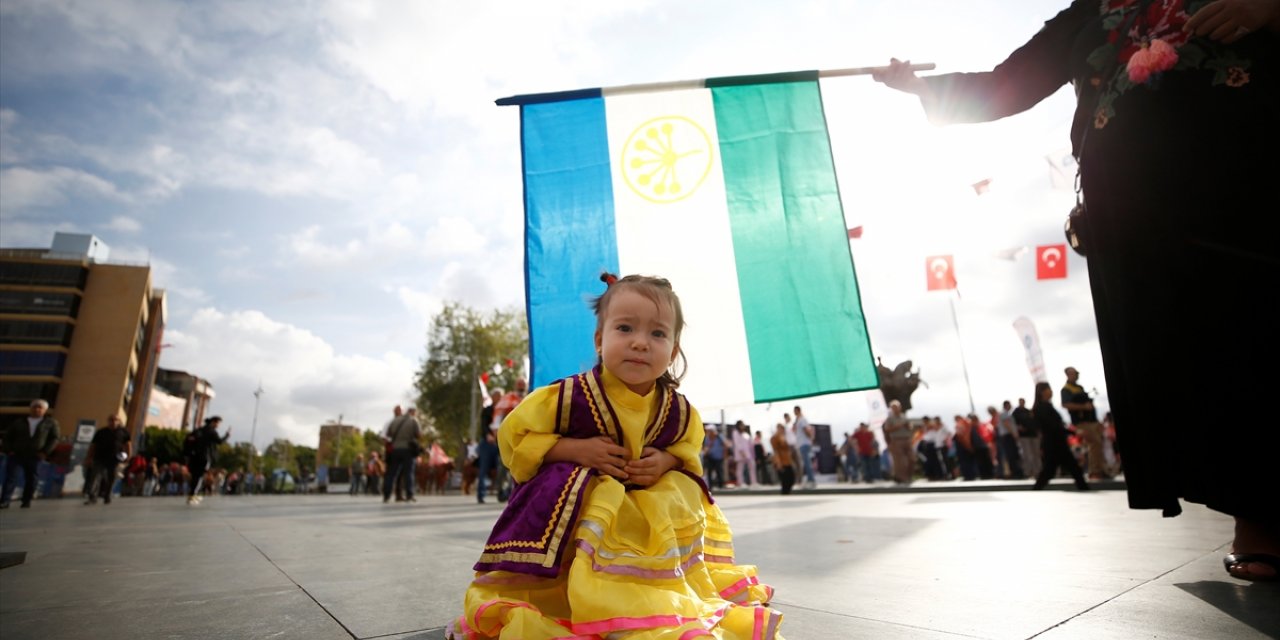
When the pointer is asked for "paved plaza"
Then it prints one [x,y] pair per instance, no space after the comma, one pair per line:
[992,561]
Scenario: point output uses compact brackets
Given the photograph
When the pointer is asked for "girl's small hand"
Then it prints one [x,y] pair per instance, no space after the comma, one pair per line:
[602,454]
[652,463]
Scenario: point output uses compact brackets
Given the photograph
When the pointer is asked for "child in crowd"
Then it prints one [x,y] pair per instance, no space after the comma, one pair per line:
[610,530]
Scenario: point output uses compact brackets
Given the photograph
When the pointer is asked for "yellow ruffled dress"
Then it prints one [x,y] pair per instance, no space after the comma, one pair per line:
[644,563]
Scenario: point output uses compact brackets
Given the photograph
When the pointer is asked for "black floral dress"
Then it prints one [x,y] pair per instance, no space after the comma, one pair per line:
[1178,140]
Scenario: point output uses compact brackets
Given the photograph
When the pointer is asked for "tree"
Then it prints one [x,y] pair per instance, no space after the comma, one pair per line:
[165,445]
[461,344]
[234,456]
[279,455]
[348,448]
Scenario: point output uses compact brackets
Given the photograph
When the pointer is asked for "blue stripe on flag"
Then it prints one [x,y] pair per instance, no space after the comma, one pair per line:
[570,235]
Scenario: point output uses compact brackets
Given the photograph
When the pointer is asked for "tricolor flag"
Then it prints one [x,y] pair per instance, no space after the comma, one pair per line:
[1051,261]
[940,273]
[727,188]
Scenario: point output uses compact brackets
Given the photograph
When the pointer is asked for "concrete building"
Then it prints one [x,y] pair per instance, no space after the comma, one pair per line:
[79,332]
[195,392]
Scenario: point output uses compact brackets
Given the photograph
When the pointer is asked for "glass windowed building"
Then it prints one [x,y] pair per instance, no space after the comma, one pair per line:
[79,332]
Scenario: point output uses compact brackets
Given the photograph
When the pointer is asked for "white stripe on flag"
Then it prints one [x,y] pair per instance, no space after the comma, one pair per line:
[686,240]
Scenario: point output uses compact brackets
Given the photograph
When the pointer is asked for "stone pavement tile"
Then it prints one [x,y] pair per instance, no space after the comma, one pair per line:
[392,591]
[812,624]
[280,614]
[970,564]
[89,566]
[1192,602]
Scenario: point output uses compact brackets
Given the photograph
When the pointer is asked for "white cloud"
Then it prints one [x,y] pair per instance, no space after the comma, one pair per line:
[8,142]
[23,188]
[123,224]
[305,381]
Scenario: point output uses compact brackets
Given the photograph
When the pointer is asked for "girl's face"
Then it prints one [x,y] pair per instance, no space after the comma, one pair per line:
[636,339]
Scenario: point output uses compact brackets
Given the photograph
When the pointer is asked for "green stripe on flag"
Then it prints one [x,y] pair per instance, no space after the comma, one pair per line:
[805,330]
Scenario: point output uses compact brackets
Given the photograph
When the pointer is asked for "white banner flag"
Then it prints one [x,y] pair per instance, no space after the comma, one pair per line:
[1031,342]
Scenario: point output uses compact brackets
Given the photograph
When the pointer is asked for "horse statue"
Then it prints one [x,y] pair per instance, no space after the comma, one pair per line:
[899,383]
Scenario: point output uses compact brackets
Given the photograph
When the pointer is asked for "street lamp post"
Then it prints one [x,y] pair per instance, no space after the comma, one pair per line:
[253,433]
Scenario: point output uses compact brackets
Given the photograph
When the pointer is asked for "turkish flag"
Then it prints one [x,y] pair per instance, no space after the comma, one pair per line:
[856,232]
[1051,261]
[940,272]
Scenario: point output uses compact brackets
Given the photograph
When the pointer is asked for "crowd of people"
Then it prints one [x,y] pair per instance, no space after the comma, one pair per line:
[1009,442]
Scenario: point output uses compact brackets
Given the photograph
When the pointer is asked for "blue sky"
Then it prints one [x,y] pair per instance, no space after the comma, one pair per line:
[311,181]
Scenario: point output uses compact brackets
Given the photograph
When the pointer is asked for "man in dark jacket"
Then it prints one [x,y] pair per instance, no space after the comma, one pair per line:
[488,457]
[110,446]
[28,441]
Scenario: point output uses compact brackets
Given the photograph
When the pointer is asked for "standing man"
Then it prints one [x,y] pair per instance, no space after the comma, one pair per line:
[897,433]
[357,475]
[201,450]
[1028,438]
[487,459]
[782,459]
[504,406]
[713,457]
[804,442]
[744,456]
[403,430]
[110,445]
[1085,418]
[1007,441]
[868,453]
[28,441]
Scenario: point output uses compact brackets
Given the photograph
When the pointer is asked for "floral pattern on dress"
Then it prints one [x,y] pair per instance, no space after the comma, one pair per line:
[1144,42]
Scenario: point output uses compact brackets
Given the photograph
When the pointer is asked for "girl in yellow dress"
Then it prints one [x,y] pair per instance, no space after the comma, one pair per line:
[610,530]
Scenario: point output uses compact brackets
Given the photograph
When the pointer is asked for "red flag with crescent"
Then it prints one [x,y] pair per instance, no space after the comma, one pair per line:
[941,273]
[1051,261]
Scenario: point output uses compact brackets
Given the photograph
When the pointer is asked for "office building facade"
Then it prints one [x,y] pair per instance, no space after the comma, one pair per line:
[79,332]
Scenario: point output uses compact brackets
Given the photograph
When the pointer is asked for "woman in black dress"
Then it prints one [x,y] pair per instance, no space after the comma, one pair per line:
[1176,131]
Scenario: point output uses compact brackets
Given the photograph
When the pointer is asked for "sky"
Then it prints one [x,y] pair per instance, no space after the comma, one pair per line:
[311,181]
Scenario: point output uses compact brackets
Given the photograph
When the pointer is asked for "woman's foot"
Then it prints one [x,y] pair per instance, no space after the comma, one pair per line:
[1259,541]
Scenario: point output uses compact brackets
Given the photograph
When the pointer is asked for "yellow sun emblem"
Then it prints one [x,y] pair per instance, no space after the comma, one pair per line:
[666,159]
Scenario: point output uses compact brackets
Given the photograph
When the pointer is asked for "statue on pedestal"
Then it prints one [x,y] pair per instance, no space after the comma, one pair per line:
[899,383]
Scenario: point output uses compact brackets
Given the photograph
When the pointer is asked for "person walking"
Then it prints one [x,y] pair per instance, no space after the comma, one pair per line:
[357,475]
[110,445]
[401,433]
[1028,438]
[27,442]
[782,459]
[898,434]
[487,455]
[744,455]
[1084,416]
[804,444]
[1053,436]
[201,452]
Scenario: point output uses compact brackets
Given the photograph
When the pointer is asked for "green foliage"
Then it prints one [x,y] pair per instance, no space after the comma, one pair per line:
[372,442]
[349,447]
[234,456]
[280,455]
[163,444]
[462,343]
[305,458]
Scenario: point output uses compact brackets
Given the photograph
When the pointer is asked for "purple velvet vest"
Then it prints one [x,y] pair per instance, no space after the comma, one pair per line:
[537,526]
